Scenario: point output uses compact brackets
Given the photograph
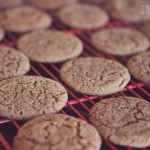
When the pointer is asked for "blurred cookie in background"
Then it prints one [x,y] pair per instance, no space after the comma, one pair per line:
[139,67]
[83,16]
[9,3]
[146,29]
[50,4]
[24,18]
[1,34]
[128,10]
[120,41]
[50,46]
[94,1]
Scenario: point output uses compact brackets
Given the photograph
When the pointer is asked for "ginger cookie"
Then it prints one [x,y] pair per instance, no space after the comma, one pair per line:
[120,41]
[128,10]
[123,121]
[83,16]
[94,76]
[9,3]
[139,67]
[24,18]
[25,97]
[51,4]
[1,34]
[12,63]
[50,46]
[146,29]
[57,132]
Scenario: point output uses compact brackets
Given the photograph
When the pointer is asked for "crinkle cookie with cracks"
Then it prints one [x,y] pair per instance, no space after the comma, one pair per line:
[94,76]
[12,63]
[123,121]
[57,132]
[25,97]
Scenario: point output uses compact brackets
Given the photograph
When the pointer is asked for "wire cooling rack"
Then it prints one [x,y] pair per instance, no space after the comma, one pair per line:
[78,104]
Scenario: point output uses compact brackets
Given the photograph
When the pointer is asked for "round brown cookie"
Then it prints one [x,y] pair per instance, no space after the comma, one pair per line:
[1,34]
[25,97]
[120,41]
[57,132]
[12,63]
[50,46]
[123,121]
[83,16]
[139,67]
[51,4]
[128,10]
[24,18]
[93,1]
[146,29]
[9,3]
[94,76]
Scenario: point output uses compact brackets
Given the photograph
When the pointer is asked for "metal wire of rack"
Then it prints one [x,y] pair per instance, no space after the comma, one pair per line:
[78,104]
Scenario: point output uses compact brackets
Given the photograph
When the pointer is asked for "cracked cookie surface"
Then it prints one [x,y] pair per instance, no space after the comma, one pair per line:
[57,132]
[1,34]
[50,46]
[24,18]
[51,4]
[9,3]
[94,76]
[25,97]
[12,63]
[120,41]
[128,10]
[83,16]
[139,67]
[123,120]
